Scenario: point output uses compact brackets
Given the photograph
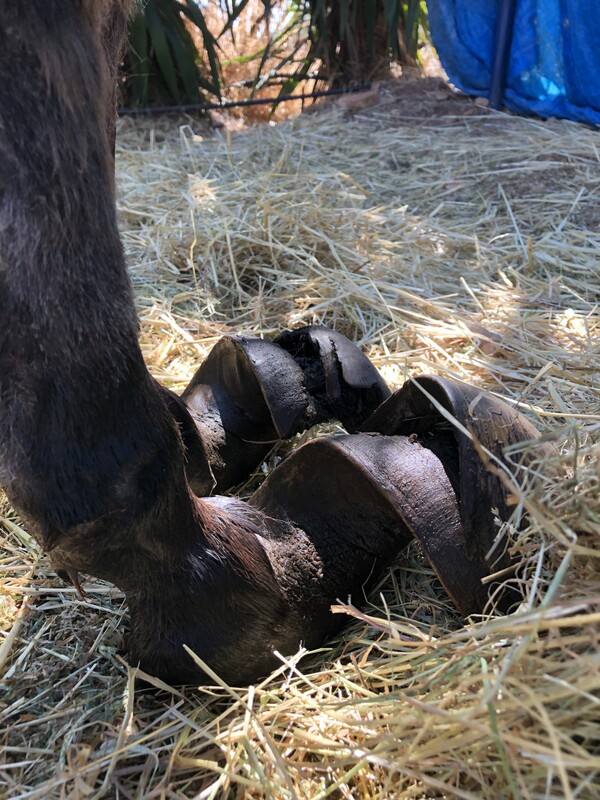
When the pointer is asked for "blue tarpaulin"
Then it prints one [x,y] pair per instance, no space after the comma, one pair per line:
[554,63]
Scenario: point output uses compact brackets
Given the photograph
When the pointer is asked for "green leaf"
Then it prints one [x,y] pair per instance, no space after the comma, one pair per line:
[194,14]
[232,15]
[138,58]
[411,26]
[343,9]
[161,48]
[371,18]
[342,38]
[392,13]
[182,47]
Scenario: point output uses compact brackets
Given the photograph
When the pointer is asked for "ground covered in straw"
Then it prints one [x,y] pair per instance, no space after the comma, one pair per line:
[442,238]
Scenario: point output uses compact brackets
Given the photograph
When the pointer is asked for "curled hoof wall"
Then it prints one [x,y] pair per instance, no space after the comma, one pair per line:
[250,394]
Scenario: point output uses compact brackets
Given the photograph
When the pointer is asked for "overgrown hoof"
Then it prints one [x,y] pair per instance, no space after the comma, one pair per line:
[483,445]
[250,394]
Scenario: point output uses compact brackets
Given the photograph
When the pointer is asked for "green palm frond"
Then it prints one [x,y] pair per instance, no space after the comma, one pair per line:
[162,64]
[174,58]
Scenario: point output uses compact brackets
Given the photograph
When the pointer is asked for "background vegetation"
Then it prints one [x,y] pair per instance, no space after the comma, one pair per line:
[187,51]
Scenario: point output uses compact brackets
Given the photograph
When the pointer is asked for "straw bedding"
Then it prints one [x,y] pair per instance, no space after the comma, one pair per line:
[442,238]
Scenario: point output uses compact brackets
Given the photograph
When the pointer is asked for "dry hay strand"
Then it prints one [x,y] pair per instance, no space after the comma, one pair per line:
[463,243]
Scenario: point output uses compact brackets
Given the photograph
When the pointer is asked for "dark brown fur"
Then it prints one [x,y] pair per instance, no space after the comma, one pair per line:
[68,329]
[90,453]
